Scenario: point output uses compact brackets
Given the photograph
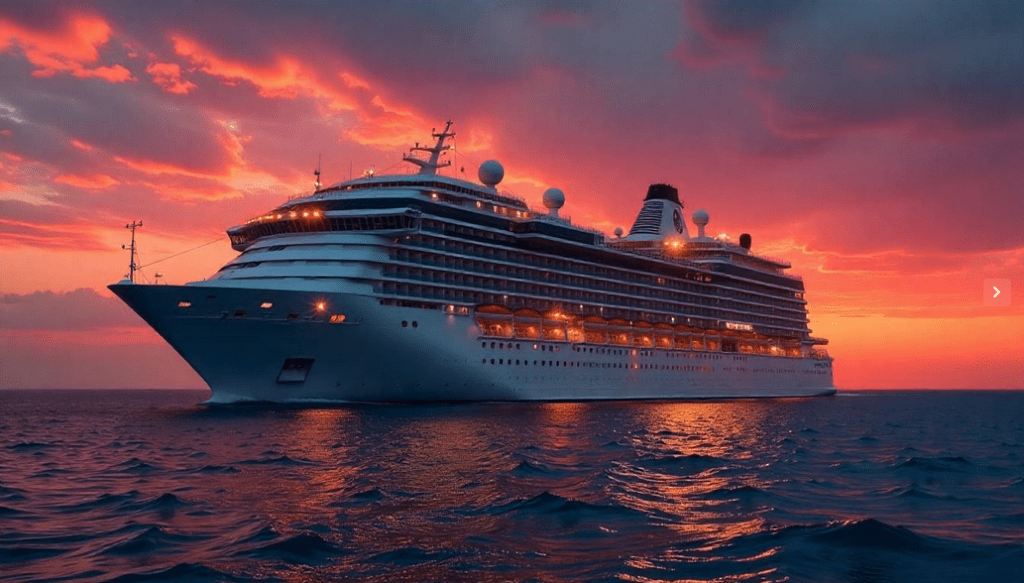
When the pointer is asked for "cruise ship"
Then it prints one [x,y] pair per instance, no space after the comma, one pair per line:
[426,287]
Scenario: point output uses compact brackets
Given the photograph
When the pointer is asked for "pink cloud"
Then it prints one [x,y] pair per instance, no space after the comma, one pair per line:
[71,48]
[168,76]
[96,181]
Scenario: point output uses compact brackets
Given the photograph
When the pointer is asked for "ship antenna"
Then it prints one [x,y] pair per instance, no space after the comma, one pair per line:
[133,250]
[431,165]
[317,184]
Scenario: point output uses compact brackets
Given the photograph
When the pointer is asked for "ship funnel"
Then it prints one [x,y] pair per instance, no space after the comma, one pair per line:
[660,217]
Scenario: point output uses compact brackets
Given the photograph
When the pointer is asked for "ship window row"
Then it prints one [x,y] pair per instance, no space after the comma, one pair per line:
[320,224]
[666,291]
[431,185]
[698,317]
[445,228]
[572,289]
[669,354]
[589,364]
[554,266]
[606,302]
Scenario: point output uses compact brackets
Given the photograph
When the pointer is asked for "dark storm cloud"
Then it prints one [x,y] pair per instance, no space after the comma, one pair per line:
[831,66]
[136,124]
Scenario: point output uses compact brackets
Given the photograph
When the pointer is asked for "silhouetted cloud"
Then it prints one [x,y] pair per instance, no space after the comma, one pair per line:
[81,309]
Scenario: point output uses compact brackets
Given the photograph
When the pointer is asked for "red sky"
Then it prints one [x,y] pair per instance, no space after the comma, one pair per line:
[877,146]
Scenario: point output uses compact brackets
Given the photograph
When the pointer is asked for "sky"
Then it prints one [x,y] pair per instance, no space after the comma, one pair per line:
[875,145]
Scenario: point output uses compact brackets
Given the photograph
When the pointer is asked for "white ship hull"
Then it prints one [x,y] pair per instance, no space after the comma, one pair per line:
[292,352]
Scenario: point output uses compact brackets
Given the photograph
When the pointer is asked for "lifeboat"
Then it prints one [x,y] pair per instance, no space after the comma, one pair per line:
[682,336]
[554,325]
[663,335]
[595,330]
[528,323]
[620,332]
[494,320]
[643,334]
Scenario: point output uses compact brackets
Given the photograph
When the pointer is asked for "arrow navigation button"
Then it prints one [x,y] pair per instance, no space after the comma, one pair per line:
[997,293]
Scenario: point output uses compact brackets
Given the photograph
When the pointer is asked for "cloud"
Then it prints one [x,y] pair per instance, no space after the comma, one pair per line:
[835,67]
[168,76]
[70,47]
[96,181]
[81,309]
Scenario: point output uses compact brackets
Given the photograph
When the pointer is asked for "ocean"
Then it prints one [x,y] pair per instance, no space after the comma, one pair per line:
[130,486]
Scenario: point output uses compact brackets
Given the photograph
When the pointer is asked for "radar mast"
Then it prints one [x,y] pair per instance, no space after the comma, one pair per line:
[431,165]
[132,249]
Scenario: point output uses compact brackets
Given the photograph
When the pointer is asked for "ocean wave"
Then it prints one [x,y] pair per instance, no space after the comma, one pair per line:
[152,540]
[20,554]
[30,446]
[934,464]
[743,493]
[162,503]
[870,533]
[192,572]
[134,466]
[548,504]
[280,460]
[102,501]
[51,473]
[8,511]
[526,468]
[693,460]
[306,547]
[412,555]
[215,469]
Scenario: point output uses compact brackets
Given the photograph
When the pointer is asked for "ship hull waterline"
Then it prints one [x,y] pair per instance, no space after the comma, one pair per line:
[297,346]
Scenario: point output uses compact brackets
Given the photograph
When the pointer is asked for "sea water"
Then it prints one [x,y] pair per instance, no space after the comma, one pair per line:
[152,486]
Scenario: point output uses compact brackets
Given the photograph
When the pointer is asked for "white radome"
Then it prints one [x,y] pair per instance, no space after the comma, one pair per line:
[554,198]
[491,172]
[700,217]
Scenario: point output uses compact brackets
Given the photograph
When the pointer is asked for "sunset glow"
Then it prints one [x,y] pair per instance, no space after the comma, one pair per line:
[878,149]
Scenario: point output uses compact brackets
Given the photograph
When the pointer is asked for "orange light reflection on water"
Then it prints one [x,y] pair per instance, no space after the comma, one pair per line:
[686,463]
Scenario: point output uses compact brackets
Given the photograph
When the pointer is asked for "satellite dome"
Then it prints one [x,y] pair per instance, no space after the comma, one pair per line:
[554,198]
[700,217]
[618,231]
[491,172]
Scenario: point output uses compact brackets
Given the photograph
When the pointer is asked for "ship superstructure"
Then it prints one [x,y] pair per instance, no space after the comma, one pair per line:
[425,287]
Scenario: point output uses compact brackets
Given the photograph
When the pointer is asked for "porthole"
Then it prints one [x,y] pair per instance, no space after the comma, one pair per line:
[414,324]
[404,323]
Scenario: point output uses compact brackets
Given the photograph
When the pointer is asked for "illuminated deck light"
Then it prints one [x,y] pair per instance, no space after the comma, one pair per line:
[267,305]
[184,304]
